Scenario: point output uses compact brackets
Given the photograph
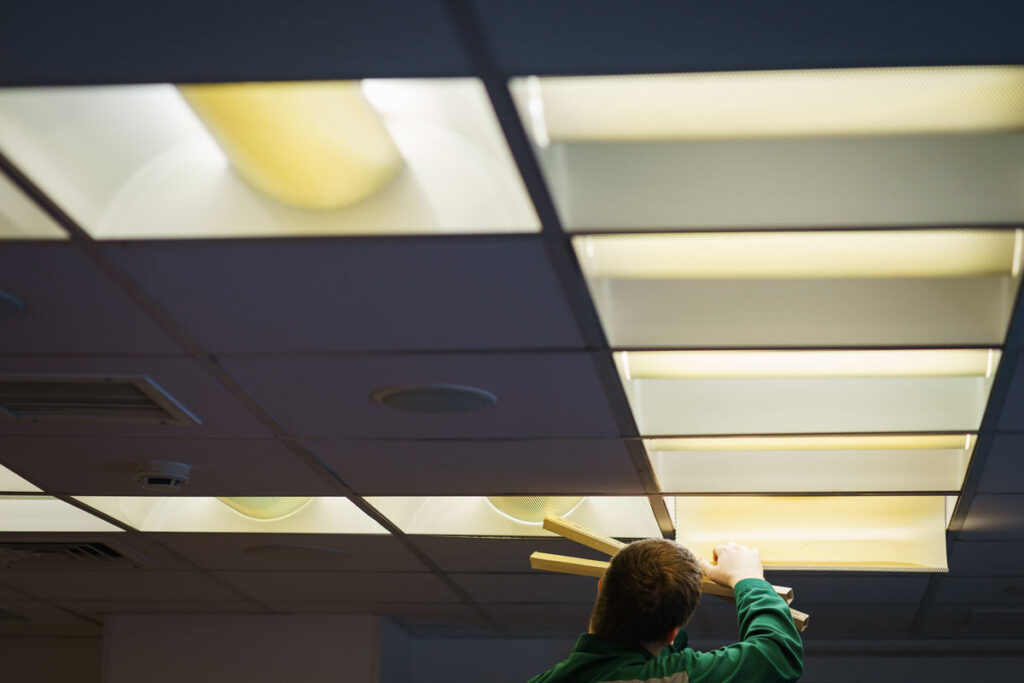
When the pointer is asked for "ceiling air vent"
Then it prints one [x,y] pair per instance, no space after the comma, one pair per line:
[51,398]
[68,555]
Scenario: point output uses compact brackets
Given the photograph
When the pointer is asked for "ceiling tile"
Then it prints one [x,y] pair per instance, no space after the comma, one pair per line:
[106,466]
[463,467]
[100,609]
[184,379]
[1012,417]
[547,620]
[71,306]
[439,611]
[974,622]
[292,552]
[37,619]
[981,558]
[1004,466]
[995,517]
[373,295]
[507,555]
[367,587]
[323,40]
[539,394]
[853,589]
[117,585]
[538,587]
[529,36]
[999,590]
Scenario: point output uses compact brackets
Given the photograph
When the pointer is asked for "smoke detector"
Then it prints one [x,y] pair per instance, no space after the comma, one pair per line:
[435,398]
[162,475]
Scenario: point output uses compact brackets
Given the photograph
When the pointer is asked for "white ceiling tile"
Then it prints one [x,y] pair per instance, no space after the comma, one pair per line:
[538,587]
[506,555]
[118,585]
[539,394]
[465,467]
[372,295]
[995,517]
[981,558]
[1004,466]
[1006,591]
[38,619]
[368,587]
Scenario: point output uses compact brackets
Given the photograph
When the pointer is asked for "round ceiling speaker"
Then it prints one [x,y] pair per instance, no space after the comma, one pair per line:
[266,508]
[533,509]
[435,398]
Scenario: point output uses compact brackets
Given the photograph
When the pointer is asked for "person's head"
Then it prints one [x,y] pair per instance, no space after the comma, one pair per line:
[650,588]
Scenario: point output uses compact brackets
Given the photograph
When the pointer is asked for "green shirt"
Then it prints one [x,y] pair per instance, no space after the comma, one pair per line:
[769,650]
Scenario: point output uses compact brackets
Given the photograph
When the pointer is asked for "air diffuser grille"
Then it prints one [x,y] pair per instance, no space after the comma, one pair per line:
[136,400]
[66,555]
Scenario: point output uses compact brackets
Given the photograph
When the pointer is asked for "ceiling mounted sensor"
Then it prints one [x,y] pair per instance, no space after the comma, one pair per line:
[162,475]
[533,509]
[10,305]
[78,398]
[266,508]
[435,398]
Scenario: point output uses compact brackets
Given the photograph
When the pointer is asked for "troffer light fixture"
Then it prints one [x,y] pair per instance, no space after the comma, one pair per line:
[315,145]
[858,533]
[675,393]
[821,102]
[933,463]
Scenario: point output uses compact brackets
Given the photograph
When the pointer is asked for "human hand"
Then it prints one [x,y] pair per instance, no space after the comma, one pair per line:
[733,563]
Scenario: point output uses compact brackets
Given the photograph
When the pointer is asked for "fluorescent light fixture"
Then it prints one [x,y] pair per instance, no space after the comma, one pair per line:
[826,255]
[533,509]
[812,463]
[271,159]
[11,482]
[618,516]
[827,288]
[819,102]
[838,533]
[330,515]
[46,513]
[21,218]
[793,392]
[266,507]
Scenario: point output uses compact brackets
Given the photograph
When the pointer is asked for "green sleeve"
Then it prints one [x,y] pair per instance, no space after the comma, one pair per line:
[769,649]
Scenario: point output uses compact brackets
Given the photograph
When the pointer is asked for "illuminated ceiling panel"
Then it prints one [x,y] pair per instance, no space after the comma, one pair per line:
[21,219]
[46,513]
[780,149]
[271,159]
[619,516]
[876,533]
[12,483]
[791,392]
[317,516]
[812,464]
[842,288]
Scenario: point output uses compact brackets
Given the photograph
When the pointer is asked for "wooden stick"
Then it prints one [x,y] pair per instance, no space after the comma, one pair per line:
[610,546]
[582,535]
[578,566]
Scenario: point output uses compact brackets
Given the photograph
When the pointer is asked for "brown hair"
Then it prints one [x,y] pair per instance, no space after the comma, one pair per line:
[650,587]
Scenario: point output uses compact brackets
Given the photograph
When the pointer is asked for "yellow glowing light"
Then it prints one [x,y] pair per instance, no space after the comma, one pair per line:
[806,364]
[835,532]
[822,102]
[869,442]
[317,145]
[802,255]
[533,509]
[266,508]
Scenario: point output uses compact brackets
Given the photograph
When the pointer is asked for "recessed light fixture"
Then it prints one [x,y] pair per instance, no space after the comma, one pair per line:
[435,398]
[267,507]
[533,509]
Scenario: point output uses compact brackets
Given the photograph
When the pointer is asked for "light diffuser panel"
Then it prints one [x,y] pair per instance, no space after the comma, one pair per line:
[812,464]
[829,288]
[859,533]
[11,483]
[619,516]
[46,513]
[287,159]
[792,392]
[21,219]
[879,147]
[150,513]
